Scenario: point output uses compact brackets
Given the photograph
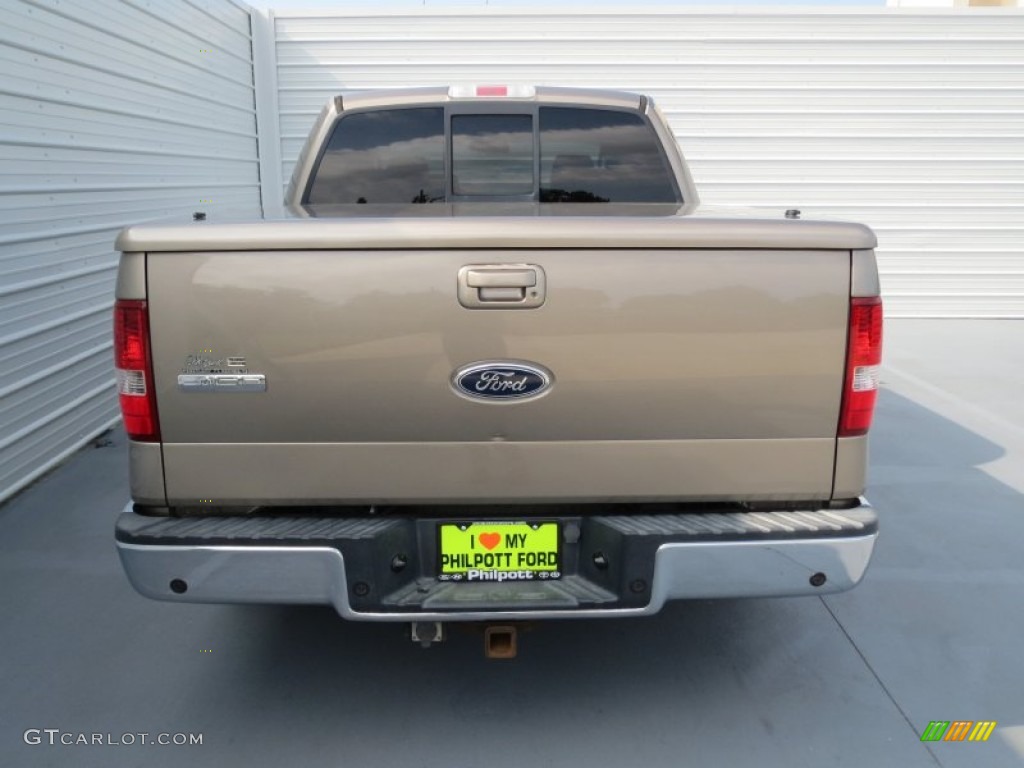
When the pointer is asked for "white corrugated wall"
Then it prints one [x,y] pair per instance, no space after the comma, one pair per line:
[110,113]
[909,120]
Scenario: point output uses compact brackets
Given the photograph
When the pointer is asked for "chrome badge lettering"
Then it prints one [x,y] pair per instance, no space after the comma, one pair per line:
[222,382]
[502,380]
[205,372]
[203,363]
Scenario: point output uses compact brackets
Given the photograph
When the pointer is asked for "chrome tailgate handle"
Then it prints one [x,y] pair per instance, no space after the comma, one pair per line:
[501,286]
[501,278]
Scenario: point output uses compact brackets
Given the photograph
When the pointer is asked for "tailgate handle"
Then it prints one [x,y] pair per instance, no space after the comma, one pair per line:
[502,278]
[501,286]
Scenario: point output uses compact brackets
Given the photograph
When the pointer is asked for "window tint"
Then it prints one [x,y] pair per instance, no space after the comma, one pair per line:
[601,156]
[492,155]
[390,156]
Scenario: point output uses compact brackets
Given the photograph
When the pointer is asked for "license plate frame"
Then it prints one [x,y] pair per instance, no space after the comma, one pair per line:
[468,552]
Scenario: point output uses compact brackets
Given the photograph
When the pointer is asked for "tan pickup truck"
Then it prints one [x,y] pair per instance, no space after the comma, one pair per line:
[496,363]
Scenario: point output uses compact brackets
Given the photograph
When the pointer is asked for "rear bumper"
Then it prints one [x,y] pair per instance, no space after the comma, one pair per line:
[346,562]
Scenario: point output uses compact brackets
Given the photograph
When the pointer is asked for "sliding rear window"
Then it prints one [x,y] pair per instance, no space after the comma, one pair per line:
[492,155]
[545,154]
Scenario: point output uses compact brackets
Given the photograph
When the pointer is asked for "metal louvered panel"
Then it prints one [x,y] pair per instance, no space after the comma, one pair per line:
[911,121]
[111,113]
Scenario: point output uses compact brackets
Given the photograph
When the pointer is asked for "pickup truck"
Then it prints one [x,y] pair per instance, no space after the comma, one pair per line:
[496,363]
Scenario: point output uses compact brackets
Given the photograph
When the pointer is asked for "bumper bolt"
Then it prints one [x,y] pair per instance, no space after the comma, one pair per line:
[398,563]
[818,579]
[360,589]
[600,561]
[637,586]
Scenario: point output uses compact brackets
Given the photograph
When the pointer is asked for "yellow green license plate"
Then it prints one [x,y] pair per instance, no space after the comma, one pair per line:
[503,551]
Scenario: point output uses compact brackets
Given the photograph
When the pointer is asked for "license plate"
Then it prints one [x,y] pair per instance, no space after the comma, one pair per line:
[502,551]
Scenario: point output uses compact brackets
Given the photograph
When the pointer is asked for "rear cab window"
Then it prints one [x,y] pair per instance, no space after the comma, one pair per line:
[601,156]
[492,155]
[546,154]
[383,156]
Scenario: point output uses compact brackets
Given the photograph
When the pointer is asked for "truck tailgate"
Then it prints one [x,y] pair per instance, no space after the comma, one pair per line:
[678,374]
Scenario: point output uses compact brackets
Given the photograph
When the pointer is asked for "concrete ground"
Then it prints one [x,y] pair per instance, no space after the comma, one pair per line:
[934,632]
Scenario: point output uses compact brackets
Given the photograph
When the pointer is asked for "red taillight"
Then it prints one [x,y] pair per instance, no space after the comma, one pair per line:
[863,366]
[134,367]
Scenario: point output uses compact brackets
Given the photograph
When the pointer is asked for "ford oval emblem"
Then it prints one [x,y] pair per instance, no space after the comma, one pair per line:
[502,380]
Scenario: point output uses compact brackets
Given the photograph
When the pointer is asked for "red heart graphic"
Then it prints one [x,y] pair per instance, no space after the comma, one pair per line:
[490,540]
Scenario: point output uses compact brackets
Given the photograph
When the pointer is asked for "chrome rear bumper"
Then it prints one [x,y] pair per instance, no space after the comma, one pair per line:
[256,572]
